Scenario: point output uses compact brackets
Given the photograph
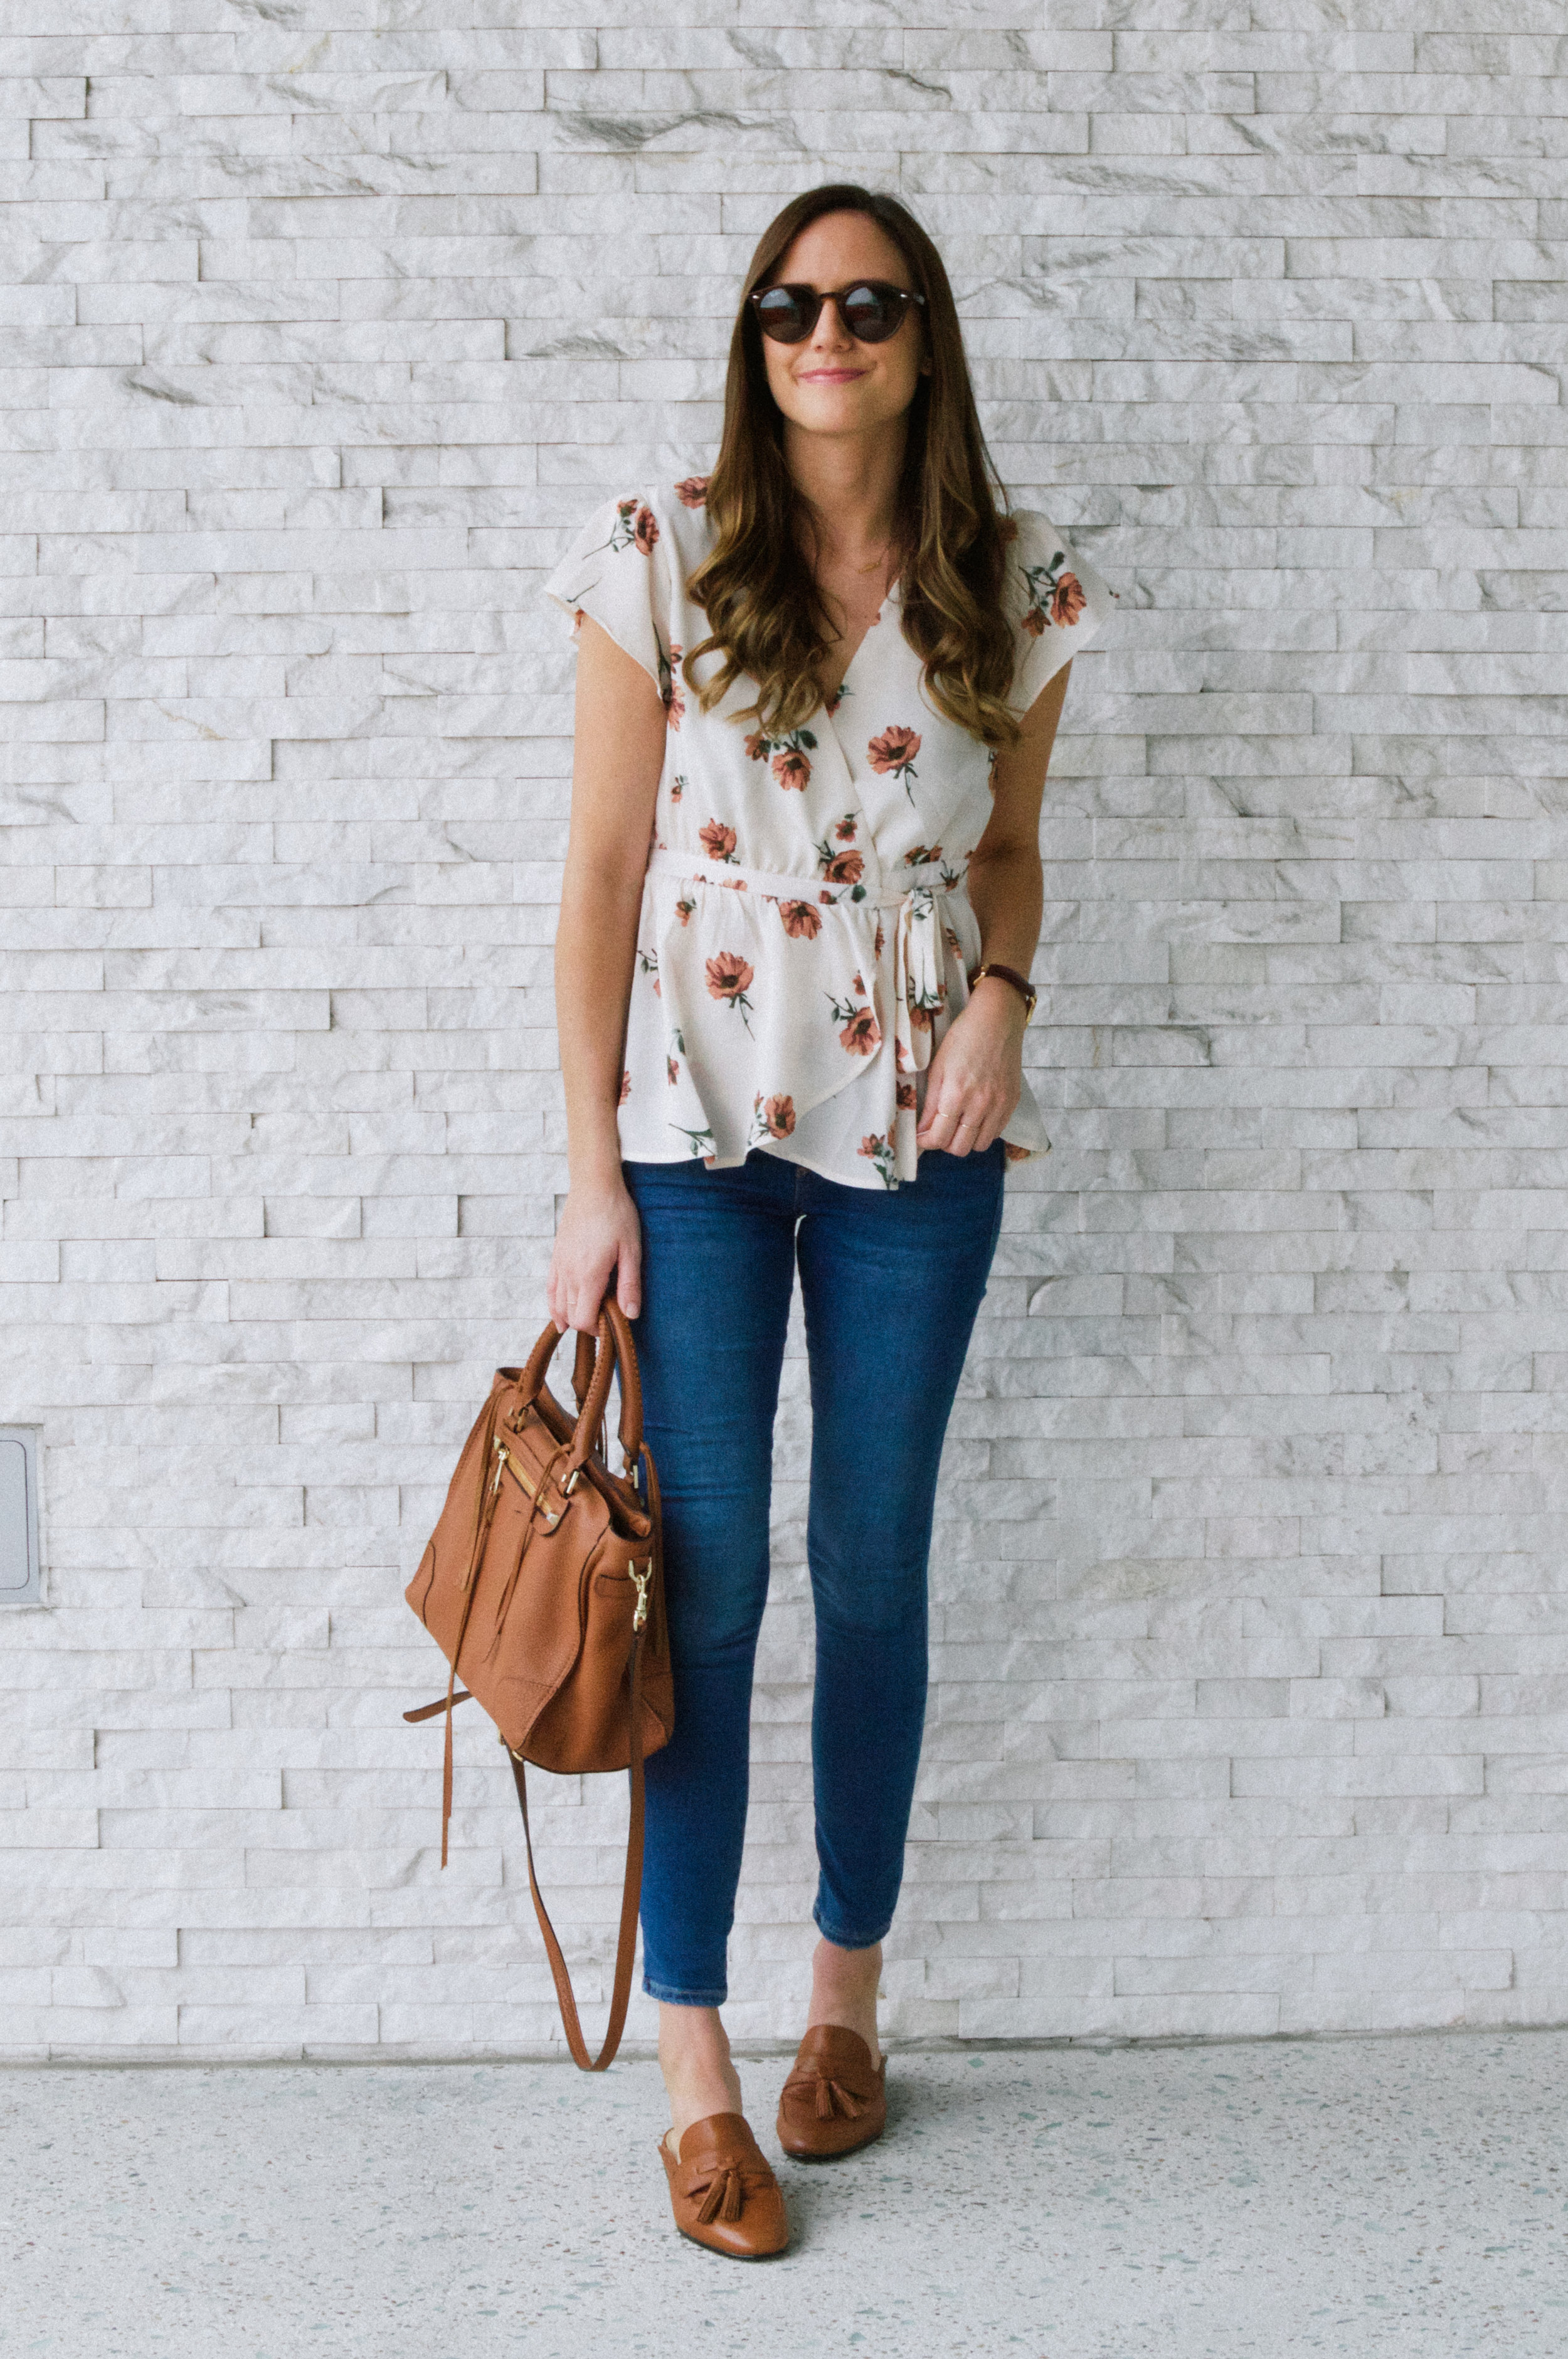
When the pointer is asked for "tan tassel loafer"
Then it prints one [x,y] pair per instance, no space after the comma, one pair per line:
[723,2192]
[834,2099]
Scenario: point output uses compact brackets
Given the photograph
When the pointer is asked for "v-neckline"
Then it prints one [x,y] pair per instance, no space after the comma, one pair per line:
[827,707]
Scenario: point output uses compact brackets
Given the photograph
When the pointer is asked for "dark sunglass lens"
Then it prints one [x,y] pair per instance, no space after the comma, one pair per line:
[872,313]
[782,316]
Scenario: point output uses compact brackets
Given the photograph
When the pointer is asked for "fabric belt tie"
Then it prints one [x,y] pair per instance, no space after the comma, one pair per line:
[691,868]
[919,977]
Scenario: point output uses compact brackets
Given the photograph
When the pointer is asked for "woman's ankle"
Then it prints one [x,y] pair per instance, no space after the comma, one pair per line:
[694,2056]
[845,1986]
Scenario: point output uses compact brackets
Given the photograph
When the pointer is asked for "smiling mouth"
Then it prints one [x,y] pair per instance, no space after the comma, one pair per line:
[830,376]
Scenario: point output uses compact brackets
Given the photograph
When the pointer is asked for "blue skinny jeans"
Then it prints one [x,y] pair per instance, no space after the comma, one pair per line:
[891,1284]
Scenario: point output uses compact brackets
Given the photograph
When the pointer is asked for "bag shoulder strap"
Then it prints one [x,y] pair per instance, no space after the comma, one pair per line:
[630,1895]
[631,1886]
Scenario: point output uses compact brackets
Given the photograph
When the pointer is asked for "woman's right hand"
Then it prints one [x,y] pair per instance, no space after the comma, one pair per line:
[599,1245]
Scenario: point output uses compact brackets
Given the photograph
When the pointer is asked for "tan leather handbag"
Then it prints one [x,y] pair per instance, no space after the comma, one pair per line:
[542,1585]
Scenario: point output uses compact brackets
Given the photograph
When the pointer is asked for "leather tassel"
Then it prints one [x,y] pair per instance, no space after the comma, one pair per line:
[471,1586]
[723,2195]
[530,1526]
[446,1779]
[833,2100]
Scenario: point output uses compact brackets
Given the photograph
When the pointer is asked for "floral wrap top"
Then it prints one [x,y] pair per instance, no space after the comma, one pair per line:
[806,934]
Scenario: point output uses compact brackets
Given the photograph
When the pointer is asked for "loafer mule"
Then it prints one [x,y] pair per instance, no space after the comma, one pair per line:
[723,2192]
[835,2101]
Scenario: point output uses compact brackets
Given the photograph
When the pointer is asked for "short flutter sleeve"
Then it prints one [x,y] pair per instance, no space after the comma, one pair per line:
[617,571]
[1057,601]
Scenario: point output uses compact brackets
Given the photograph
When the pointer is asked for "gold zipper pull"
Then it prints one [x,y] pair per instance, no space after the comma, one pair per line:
[641,1581]
[505,1459]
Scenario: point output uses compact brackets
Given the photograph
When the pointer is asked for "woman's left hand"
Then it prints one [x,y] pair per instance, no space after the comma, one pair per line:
[975,1078]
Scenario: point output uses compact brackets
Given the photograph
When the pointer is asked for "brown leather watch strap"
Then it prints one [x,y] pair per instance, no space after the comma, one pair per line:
[1020,983]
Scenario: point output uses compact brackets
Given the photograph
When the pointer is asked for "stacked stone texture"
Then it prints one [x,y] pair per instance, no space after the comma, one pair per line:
[1250,1635]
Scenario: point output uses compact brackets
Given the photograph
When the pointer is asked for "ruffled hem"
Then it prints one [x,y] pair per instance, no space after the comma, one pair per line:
[749,1049]
[827,1165]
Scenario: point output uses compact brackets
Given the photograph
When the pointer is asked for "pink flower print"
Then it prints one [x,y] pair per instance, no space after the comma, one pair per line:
[729,979]
[626,1085]
[728,976]
[1069,601]
[844,829]
[879,1151]
[924,1009]
[801,922]
[671,1071]
[921,856]
[1013,1154]
[878,944]
[775,1116]
[678,788]
[670,687]
[843,868]
[717,840]
[646,532]
[894,748]
[787,753]
[905,1097]
[1055,596]
[684,909]
[692,491]
[860,1035]
[859,988]
[893,751]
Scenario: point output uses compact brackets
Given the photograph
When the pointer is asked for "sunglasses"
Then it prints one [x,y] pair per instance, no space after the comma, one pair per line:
[870,309]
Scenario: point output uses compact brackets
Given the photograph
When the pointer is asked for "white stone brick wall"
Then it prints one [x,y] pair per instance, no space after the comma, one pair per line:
[1251,1636]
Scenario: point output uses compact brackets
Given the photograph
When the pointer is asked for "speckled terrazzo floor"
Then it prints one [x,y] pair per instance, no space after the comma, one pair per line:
[1366,2197]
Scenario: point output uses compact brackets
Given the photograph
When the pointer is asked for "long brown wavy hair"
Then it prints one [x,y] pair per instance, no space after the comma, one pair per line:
[766,616]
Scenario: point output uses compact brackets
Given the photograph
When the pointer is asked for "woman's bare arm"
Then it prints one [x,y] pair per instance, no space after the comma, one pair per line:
[977,1075]
[618,755]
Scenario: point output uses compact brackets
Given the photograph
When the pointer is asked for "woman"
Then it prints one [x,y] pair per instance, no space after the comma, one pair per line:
[823,683]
